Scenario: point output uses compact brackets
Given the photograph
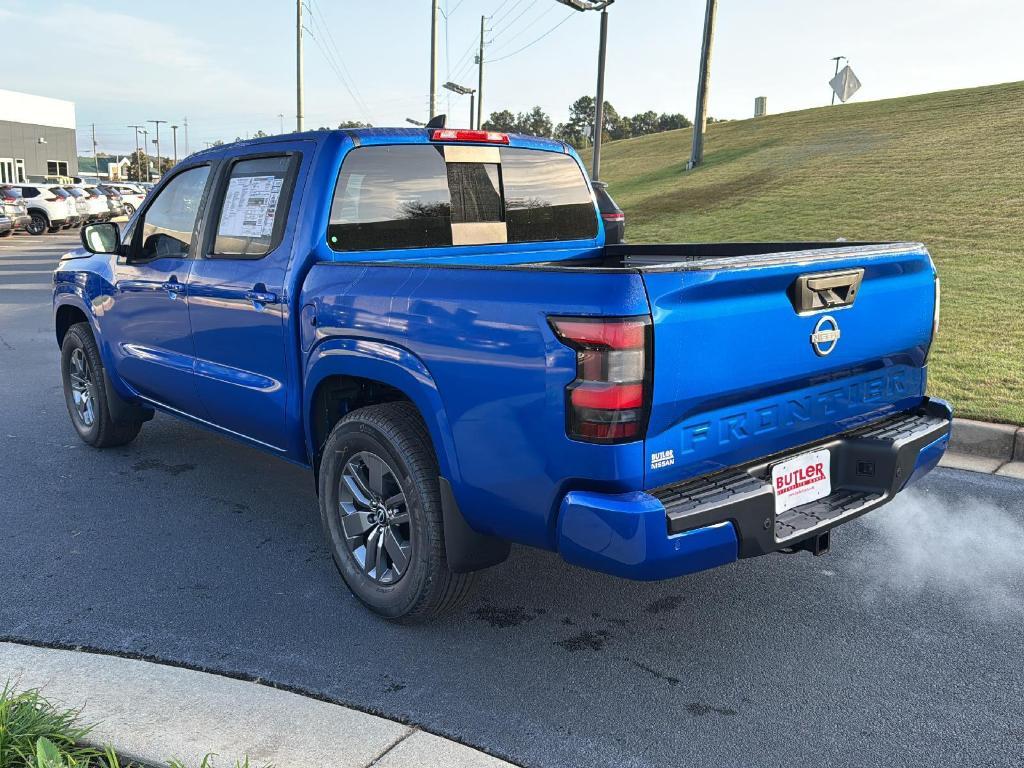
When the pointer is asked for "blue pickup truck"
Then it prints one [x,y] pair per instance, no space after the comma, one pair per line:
[431,321]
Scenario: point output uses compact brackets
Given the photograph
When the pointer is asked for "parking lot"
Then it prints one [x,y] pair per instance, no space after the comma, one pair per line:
[900,647]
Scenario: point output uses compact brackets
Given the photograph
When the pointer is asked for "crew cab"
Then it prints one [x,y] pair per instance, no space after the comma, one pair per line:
[430,320]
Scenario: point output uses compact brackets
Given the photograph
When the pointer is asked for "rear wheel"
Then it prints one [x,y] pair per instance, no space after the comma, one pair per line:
[129,209]
[381,509]
[8,233]
[38,225]
[86,395]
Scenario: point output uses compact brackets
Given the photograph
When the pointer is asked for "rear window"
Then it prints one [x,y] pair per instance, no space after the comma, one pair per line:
[408,196]
[60,192]
[10,192]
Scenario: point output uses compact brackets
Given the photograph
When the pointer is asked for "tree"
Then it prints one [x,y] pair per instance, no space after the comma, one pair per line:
[673,122]
[503,121]
[644,123]
[535,123]
[581,120]
[353,124]
[260,135]
[615,127]
[137,164]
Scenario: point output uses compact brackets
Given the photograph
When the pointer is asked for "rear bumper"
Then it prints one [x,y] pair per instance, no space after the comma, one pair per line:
[713,520]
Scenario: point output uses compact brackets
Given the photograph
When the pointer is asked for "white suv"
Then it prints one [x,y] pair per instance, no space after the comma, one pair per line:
[49,209]
[130,194]
[96,202]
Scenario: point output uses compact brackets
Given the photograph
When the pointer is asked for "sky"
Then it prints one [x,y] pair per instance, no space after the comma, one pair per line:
[229,65]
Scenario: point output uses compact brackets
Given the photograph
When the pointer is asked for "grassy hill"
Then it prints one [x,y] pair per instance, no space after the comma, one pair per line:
[944,168]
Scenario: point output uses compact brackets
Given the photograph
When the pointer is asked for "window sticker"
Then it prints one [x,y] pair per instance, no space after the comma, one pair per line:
[249,206]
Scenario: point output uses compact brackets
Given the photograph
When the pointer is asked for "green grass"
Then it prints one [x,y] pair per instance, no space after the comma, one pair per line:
[943,168]
[34,733]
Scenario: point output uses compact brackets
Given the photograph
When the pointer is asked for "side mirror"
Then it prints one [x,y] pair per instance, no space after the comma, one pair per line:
[104,237]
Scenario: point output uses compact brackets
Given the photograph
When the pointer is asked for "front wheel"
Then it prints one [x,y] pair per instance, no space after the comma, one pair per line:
[380,505]
[38,225]
[129,209]
[86,395]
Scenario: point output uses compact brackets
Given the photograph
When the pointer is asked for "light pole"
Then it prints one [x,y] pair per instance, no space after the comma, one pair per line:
[280,116]
[419,123]
[174,133]
[433,59]
[137,159]
[145,154]
[463,91]
[602,49]
[157,123]
[836,59]
[298,66]
[700,118]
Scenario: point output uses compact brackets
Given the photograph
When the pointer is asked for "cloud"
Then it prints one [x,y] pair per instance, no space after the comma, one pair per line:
[149,62]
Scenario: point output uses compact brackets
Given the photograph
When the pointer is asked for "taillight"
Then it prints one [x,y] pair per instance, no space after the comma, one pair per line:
[51,199]
[453,134]
[609,399]
[613,217]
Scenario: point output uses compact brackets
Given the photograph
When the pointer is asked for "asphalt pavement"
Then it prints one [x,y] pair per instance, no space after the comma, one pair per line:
[902,647]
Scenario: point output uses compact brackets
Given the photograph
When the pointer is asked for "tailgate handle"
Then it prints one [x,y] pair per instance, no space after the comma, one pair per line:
[826,290]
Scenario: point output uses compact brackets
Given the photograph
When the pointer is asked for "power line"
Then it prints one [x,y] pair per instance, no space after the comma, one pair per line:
[537,40]
[524,29]
[338,72]
[511,24]
[323,37]
[507,13]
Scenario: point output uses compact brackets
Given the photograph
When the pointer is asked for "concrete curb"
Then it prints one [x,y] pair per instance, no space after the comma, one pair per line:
[152,713]
[979,446]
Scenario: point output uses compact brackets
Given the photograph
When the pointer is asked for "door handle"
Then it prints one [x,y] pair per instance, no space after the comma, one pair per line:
[173,288]
[261,297]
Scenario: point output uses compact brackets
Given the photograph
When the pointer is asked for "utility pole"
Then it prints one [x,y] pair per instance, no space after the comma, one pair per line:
[280,116]
[595,171]
[836,59]
[298,65]
[157,123]
[95,156]
[700,119]
[480,83]
[145,153]
[186,136]
[137,159]
[174,131]
[433,59]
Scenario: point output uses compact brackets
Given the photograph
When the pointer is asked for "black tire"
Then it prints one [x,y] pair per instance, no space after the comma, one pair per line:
[8,233]
[129,209]
[94,425]
[39,223]
[53,230]
[394,433]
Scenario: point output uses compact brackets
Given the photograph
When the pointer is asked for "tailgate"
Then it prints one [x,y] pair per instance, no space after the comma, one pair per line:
[756,356]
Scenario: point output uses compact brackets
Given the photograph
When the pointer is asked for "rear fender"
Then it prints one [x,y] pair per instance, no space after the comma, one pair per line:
[389,364]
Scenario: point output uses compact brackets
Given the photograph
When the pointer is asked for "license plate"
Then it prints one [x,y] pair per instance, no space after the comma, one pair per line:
[802,479]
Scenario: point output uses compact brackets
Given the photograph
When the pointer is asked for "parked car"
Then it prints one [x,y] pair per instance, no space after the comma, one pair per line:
[73,219]
[6,226]
[441,334]
[131,195]
[114,201]
[96,203]
[613,217]
[48,209]
[13,207]
[82,206]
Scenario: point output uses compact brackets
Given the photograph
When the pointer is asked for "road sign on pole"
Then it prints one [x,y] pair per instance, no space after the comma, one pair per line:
[845,84]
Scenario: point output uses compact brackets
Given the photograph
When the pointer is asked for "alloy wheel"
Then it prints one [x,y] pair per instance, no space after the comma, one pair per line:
[375,518]
[37,226]
[82,387]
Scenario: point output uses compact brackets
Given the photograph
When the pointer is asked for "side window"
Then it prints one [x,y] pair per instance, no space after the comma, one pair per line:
[546,197]
[29,192]
[170,220]
[254,210]
[391,197]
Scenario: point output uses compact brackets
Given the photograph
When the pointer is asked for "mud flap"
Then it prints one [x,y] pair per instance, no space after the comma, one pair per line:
[466,549]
